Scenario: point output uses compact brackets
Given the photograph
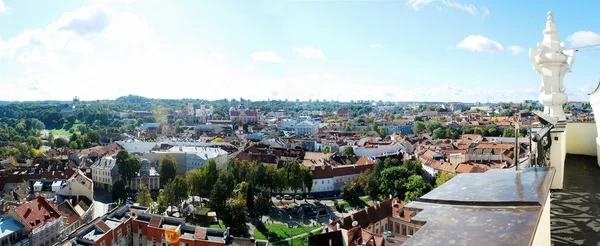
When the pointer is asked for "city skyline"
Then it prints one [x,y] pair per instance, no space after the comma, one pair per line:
[415,50]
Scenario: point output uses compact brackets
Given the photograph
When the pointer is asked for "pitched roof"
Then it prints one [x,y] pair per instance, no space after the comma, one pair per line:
[37,212]
[66,209]
[331,238]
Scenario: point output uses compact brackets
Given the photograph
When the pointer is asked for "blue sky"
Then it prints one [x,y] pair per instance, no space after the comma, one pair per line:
[394,50]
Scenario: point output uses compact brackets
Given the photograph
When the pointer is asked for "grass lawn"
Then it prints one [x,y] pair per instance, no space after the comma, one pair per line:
[60,132]
[360,203]
[301,241]
[218,226]
[280,231]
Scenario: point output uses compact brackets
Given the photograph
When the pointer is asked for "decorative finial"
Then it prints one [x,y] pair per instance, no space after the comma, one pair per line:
[550,17]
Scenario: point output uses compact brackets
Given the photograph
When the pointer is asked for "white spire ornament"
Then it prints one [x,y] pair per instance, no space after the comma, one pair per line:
[551,61]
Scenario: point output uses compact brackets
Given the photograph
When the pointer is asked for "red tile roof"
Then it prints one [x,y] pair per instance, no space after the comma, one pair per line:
[66,209]
[37,212]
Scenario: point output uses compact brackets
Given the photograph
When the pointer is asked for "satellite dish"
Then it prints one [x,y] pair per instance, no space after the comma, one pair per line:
[354,223]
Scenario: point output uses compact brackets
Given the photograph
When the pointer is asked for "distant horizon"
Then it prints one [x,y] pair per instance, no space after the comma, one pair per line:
[289,100]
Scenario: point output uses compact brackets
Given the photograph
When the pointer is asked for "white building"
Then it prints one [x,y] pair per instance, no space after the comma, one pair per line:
[196,157]
[105,172]
[306,128]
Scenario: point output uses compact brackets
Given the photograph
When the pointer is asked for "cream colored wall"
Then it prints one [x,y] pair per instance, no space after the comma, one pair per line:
[542,232]
[581,138]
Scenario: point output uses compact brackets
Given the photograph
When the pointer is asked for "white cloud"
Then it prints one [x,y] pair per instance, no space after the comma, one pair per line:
[583,38]
[480,43]
[266,56]
[85,21]
[418,4]
[250,68]
[376,46]
[515,49]
[309,52]
[3,8]
[470,8]
[73,32]
[217,56]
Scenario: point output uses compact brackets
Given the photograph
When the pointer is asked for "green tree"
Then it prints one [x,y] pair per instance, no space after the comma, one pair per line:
[414,166]
[392,181]
[129,166]
[272,179]
[34,142]
[415,187]
[307,179]
[235,216]
[349,192]
[263,203]
[418,127]
[505,112]
[177,190]
[369,183]
[509,132]
[196,178]
[439,133]
[118,190]
[442,176]
[326,149]
[493,131]
[250,196]
[212,174]
[168,169]
[50,139]
[93,136]
[144,198]
[162,202]
[218,198]
[348,151]
[226,178]
[217,140]
[60,142]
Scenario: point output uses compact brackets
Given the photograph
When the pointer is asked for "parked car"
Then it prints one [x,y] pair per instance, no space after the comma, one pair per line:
[299,197]
[278,197]
[310,197]
[287,197]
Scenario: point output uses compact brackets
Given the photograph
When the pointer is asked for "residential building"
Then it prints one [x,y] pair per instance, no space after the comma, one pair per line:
[331,172]
[105,172]
[134,225]
[385,223]
[196,157]
[12,232]
[41,221]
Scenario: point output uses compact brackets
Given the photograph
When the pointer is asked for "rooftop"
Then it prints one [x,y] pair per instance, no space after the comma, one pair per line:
[9,225]
[503,210]
[575,209]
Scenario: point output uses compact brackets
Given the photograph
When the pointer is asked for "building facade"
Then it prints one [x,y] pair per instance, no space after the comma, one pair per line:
[105,173]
